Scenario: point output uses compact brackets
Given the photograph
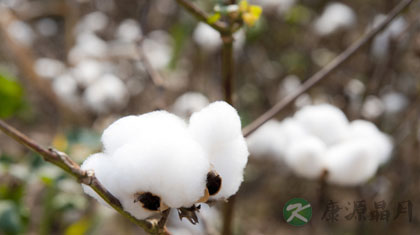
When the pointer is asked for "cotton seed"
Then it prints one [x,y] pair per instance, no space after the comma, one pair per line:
[214,183]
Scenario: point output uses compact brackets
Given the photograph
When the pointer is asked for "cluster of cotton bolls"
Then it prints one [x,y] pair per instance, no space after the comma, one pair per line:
[97,75]
[335,16]
[156,160]
[319,138]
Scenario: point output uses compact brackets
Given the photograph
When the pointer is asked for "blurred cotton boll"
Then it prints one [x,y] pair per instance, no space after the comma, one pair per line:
[21,32]
[65,86]
[88,71]
[49,68]
[305,157]
[88,45]
[335,16]
[47,27]
[217,128]
[373,107]
[92,22]
[128,31]
[265,140]
[158,48]
[106,94]
[189,103]
[351,163]
[381,43]
[209,39]
[394,102]
[324,121]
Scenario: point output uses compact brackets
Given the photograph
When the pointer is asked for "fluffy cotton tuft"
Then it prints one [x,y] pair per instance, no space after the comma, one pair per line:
[129,31]
[49,68]
[335,16]
[218,129]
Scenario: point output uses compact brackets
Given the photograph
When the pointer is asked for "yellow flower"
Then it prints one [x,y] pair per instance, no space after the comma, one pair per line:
[250,13]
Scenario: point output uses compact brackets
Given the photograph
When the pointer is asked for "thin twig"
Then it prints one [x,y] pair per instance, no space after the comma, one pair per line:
[86,177]
[201,15]
[164,218]
[327,70]
[151,71]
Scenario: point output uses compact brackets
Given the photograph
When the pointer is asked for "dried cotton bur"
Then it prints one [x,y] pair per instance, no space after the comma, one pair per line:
[157,161]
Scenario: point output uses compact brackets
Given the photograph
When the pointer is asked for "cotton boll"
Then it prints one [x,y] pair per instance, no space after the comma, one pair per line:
[65,86]
[355,88]
[350,163]
[207,37]
[158,48]
[49,68]
[216,124]
[394,102]
[324,121]
[335,16]
[105,94]
[380,44]
[88,71]
[373,107]
[379,143]
[47,27]
[128,31]
[88,45]
[266,140]
[21,32]
[305,157]
[288,85]
[218,129]
[189,103]
[92,22]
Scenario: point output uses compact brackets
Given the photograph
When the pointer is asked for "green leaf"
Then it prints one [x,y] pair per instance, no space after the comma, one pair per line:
[214,18]
[11,94]
[80,227]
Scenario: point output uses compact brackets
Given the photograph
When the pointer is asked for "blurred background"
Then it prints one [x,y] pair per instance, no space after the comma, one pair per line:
[68,68]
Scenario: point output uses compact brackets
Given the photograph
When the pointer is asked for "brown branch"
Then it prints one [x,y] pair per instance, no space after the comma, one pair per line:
[201,15]
[151,71]
[327,70]
[86,177]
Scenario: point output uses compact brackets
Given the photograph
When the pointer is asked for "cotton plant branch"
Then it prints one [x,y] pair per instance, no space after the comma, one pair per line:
[327,70]
[202,16]
[85,177]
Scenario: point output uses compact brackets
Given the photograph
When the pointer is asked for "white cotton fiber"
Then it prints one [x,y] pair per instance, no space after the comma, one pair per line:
[306,157]
[351,163]
[380,143]
[218,129]
[189,103]
[324,121]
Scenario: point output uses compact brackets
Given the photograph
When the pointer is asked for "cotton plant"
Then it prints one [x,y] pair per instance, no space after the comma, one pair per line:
[318,139]
[188,103]
[155,161]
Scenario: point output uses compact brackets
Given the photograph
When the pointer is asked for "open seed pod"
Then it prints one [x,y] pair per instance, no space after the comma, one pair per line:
[150,201]
[214,183]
